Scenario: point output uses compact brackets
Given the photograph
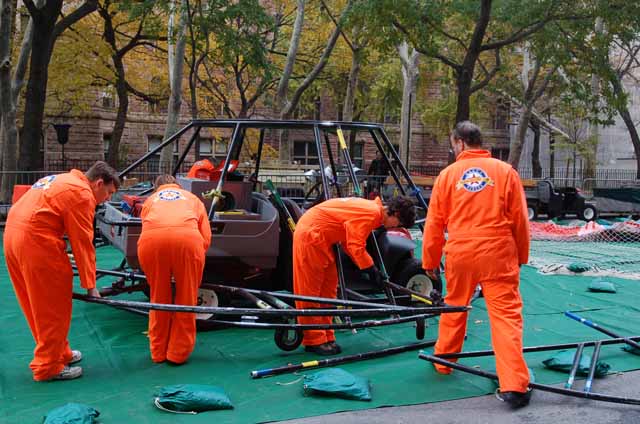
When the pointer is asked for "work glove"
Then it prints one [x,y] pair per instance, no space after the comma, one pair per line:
[375,276]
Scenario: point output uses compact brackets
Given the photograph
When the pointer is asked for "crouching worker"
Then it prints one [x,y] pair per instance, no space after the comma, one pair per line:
[348,221]
[480,201]
[175,237]
[38,264]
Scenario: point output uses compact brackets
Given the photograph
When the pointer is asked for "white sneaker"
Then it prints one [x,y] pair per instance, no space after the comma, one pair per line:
[76,356]
[68,373]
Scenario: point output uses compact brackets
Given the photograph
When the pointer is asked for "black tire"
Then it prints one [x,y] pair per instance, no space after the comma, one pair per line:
[588,213]
[532,212]
[288,339]
[409,273]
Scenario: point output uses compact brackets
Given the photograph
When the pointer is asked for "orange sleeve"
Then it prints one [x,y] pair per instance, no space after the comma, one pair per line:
[433,239]
[78,224]
[357,230]
[203,223]
[516,202]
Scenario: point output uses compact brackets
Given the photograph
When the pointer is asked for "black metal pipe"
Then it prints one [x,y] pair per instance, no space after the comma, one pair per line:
[155,150]
[574,367]
[329,362]
[227,311]
[186,151]
[260,145]
[595,326]
[543,348]
[592,367]
[538,386]
[332,162]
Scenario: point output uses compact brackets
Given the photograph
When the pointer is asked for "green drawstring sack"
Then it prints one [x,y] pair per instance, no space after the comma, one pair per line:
[72,413]
[563,360]
[339,383]
[192,398]
[578,267]
[601,286]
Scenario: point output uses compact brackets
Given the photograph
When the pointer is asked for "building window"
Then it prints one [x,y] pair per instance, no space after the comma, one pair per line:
[305,152]
[159,106]
[205,146]
[501,153]
[357,156]
[106,142]
[501,116]
[220,146]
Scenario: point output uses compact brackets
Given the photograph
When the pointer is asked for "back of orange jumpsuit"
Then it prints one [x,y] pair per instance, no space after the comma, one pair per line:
[481,203]
[348,221]
[39,266]
[175,237]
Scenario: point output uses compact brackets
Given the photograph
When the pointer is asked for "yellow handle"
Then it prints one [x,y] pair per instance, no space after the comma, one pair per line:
[343,144]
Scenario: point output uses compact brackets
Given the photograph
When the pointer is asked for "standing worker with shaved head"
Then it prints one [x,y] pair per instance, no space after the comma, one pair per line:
[175,237]
[348,221]
[480,201]
[38,264]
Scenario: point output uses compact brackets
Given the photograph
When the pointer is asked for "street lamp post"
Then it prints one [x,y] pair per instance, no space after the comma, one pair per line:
[62,131]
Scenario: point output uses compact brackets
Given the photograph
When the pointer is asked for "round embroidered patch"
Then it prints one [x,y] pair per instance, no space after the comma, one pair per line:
[44,183]
[170,195]
[474,180]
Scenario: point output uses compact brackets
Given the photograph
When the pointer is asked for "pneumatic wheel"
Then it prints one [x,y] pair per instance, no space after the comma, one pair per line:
[532,212]
[588,213]
[409,273]
[288,339]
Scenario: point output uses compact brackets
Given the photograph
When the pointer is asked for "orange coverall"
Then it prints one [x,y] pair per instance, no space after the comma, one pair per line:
[481,203]
[175,237]
[348,221]
[39,267]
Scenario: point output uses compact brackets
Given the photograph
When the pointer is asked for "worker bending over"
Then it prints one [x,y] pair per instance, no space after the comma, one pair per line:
[480,201]
[175,237]
[348,221]
[39,267]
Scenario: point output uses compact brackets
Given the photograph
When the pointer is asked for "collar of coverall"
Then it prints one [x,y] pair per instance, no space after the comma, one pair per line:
[473,153]
[169,185]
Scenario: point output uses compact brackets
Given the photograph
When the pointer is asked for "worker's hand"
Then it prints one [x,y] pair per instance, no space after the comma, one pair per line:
[93,292]
[432,273]
[375,276]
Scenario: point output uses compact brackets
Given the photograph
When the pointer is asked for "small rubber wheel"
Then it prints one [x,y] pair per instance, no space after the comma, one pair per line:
[288,339]
[420,328]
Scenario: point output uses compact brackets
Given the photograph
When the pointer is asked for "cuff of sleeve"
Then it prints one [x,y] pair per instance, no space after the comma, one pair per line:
[366,264]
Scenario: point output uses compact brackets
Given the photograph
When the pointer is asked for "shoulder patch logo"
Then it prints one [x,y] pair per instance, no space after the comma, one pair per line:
[44,183]
[474,180]
[170,195]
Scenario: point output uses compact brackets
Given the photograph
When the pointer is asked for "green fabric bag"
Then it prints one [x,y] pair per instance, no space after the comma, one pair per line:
[563,360]
[631,349]
[601,286]
[192,398]
[72,413]
[578,267]
[339,383]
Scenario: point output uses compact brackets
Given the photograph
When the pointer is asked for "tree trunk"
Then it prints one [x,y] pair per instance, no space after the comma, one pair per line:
[623,110]
[7,106]
[283,85]
[536,167]
[515,149]
[176,66]
[409,83]
[42,47]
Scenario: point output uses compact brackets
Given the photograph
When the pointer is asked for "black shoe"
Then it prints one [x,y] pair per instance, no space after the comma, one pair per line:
[515,399]
[336,346]
[325,349]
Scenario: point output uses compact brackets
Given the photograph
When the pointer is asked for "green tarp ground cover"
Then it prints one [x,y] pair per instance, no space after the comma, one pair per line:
[120,380]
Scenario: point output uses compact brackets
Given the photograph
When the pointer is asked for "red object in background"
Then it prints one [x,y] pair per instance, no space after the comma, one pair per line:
[18,191]
[216,173]
[134,203]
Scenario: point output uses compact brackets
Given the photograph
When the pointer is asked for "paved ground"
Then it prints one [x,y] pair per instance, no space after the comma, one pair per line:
[544,408]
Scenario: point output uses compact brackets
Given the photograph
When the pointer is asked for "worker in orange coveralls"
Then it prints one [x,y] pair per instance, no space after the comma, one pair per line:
[38,264]
[348,221]
[480,201]
[201,169]
[175,237]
